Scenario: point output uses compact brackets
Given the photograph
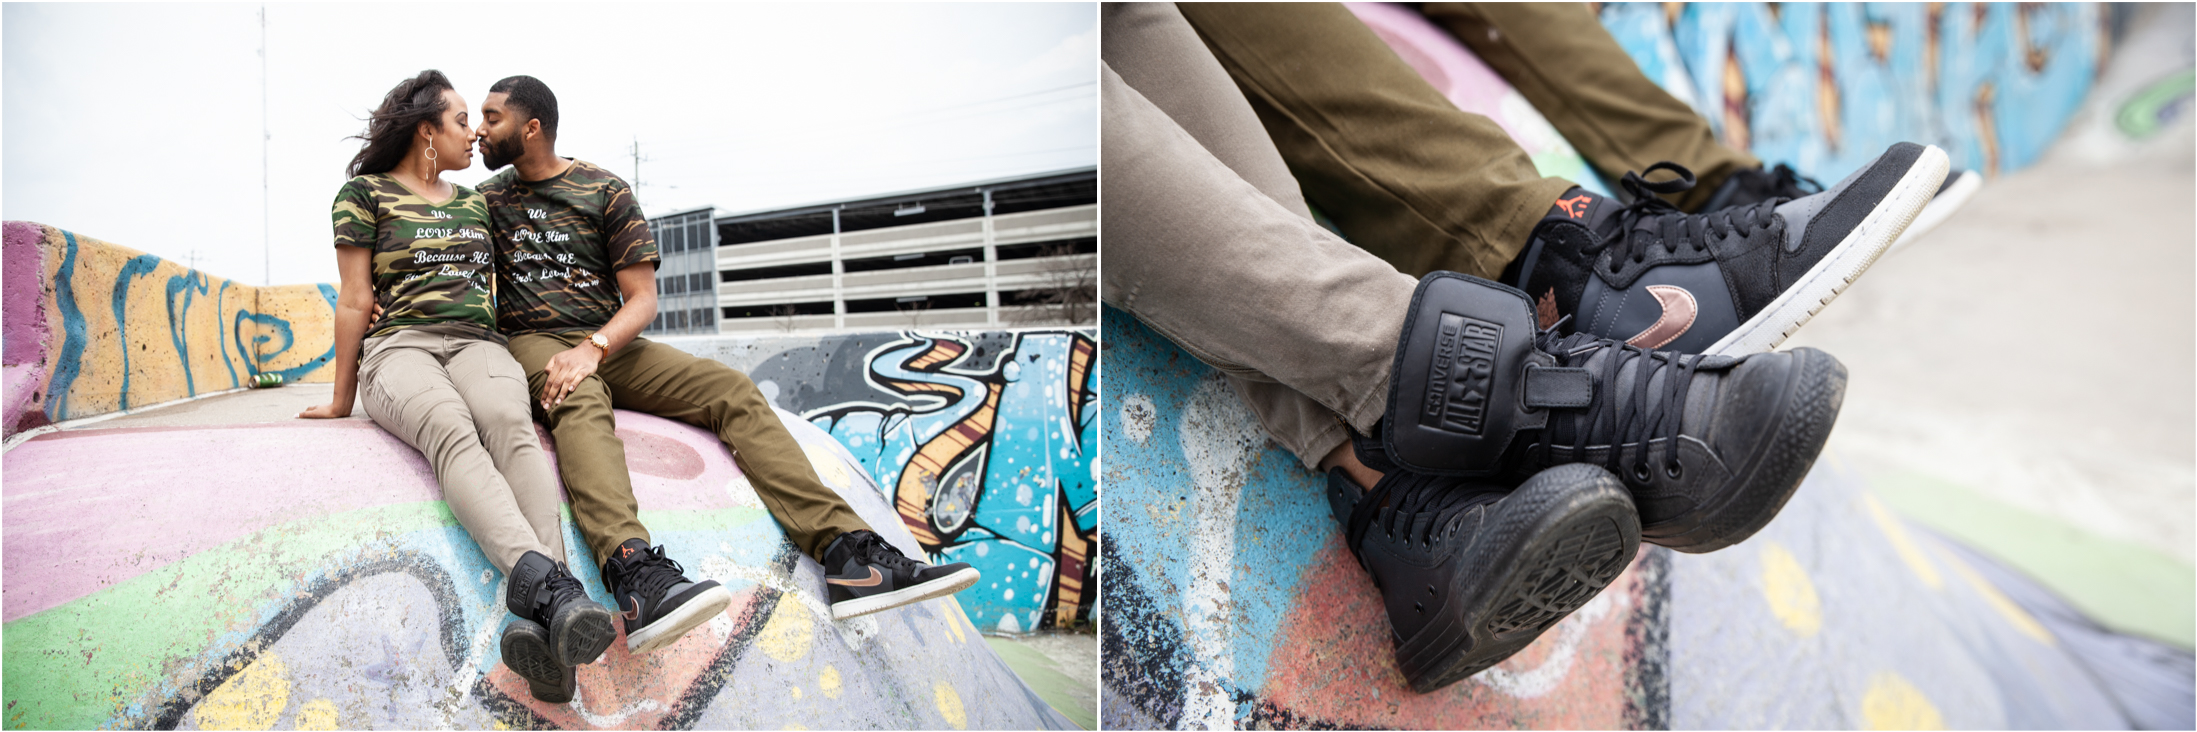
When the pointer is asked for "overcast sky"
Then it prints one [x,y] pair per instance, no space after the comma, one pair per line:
[140,124]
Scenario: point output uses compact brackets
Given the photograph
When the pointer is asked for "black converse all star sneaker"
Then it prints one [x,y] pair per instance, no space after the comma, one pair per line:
[526,650]
[655,599]
[1470,573]
[866,574]
[1710,446]
[544,591]
[1755,185]
[1732,281]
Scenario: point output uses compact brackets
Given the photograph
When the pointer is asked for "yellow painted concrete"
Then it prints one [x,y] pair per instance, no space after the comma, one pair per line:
[1892,702]
[790,631]
[253,699]
[1792,596]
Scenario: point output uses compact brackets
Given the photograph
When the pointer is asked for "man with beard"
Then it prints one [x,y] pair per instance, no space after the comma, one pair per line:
[566,233]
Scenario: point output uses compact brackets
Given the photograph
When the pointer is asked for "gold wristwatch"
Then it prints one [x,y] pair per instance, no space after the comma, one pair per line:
[599,342]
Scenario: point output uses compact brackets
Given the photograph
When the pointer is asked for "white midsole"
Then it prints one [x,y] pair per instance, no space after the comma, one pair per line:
[946,585]
[669,628]
[1940,208]
[1844,264]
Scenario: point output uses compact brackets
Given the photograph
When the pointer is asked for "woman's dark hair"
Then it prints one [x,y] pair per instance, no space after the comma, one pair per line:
[388,132]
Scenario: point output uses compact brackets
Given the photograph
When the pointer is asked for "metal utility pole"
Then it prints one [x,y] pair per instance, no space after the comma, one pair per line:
[636,182]
[266,237]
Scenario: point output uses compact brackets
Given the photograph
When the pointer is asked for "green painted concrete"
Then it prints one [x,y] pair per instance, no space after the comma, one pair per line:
[1044,677]
[156,626]
[2124,586]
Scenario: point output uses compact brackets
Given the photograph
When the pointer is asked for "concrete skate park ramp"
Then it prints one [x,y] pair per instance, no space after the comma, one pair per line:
[307,576]
[179,552]
[1231,601]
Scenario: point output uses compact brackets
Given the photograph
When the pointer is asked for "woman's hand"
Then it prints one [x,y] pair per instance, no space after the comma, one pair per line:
[326,411]
[566,370]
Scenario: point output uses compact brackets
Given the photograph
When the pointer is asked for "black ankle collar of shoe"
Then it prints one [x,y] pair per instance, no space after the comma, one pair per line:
[1458,387]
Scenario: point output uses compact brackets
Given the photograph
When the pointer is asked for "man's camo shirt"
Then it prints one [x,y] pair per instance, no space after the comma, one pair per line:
[433,262]
[558,244]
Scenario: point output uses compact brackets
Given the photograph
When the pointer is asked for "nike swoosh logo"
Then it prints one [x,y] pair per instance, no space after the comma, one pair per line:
[1679,311]
[876,578]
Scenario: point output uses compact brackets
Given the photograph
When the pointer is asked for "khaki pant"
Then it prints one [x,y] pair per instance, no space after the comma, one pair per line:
[651,377]
[1405,174]
[462,403]
[1199,204]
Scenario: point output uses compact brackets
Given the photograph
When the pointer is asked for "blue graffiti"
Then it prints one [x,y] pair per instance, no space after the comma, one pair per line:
[260,356]
[139,266]
[1827,87]
[992,464]
[72,340]
[221,333]
[185,284]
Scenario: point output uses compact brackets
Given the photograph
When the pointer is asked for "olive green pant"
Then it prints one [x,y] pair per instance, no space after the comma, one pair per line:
[1406,175]
[651,377]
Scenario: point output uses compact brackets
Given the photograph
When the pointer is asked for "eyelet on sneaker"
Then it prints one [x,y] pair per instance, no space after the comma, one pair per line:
[1640,473]
[1430,591]
[1418,607]
[1674,469]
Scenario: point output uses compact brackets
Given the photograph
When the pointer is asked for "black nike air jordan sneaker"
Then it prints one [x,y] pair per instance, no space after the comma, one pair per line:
[544,591]
[1711,447]
[527,651]
[864,574]
[1755,185]
[1731,281]
[1470,572]
[655,599]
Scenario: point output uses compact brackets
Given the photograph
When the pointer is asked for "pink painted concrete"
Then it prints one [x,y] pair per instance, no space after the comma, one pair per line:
[82,508]
[21,396]
[22,295]
[1448,67]
[1336,664]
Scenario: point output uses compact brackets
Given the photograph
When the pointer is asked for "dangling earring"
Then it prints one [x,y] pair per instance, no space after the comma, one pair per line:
[430,148]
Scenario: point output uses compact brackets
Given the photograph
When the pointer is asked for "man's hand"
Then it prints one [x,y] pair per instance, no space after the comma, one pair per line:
[326,411]
[566,370]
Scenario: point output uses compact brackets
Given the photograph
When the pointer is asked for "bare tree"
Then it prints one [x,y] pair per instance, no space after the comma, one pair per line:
[1069,293]
[784,315]
[914,311]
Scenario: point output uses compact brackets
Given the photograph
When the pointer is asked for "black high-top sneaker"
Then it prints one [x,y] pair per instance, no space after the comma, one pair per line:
[545,592]
[1710,446]
[866,574]
[1755,185]
[1732,281]
[655,598]
[526,650]
[1471,573]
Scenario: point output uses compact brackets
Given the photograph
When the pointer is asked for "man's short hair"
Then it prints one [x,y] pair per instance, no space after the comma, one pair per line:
[533,98]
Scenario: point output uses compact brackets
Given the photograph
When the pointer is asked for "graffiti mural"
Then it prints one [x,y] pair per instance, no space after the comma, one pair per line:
[95,328]
[334,589]
[1232,602]
[985,442]
[1826,87]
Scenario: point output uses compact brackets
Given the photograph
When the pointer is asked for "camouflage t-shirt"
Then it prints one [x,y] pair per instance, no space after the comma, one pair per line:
[558,244]
[432,261]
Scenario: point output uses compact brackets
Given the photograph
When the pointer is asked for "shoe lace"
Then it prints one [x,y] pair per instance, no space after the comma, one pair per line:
[1622,421]
[1673,227]
[1789,184]
[563,587]
[650,573]
[1445,500]
[877,550]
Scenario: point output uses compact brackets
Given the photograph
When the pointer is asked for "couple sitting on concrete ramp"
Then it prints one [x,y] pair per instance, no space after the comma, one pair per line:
[458,308]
